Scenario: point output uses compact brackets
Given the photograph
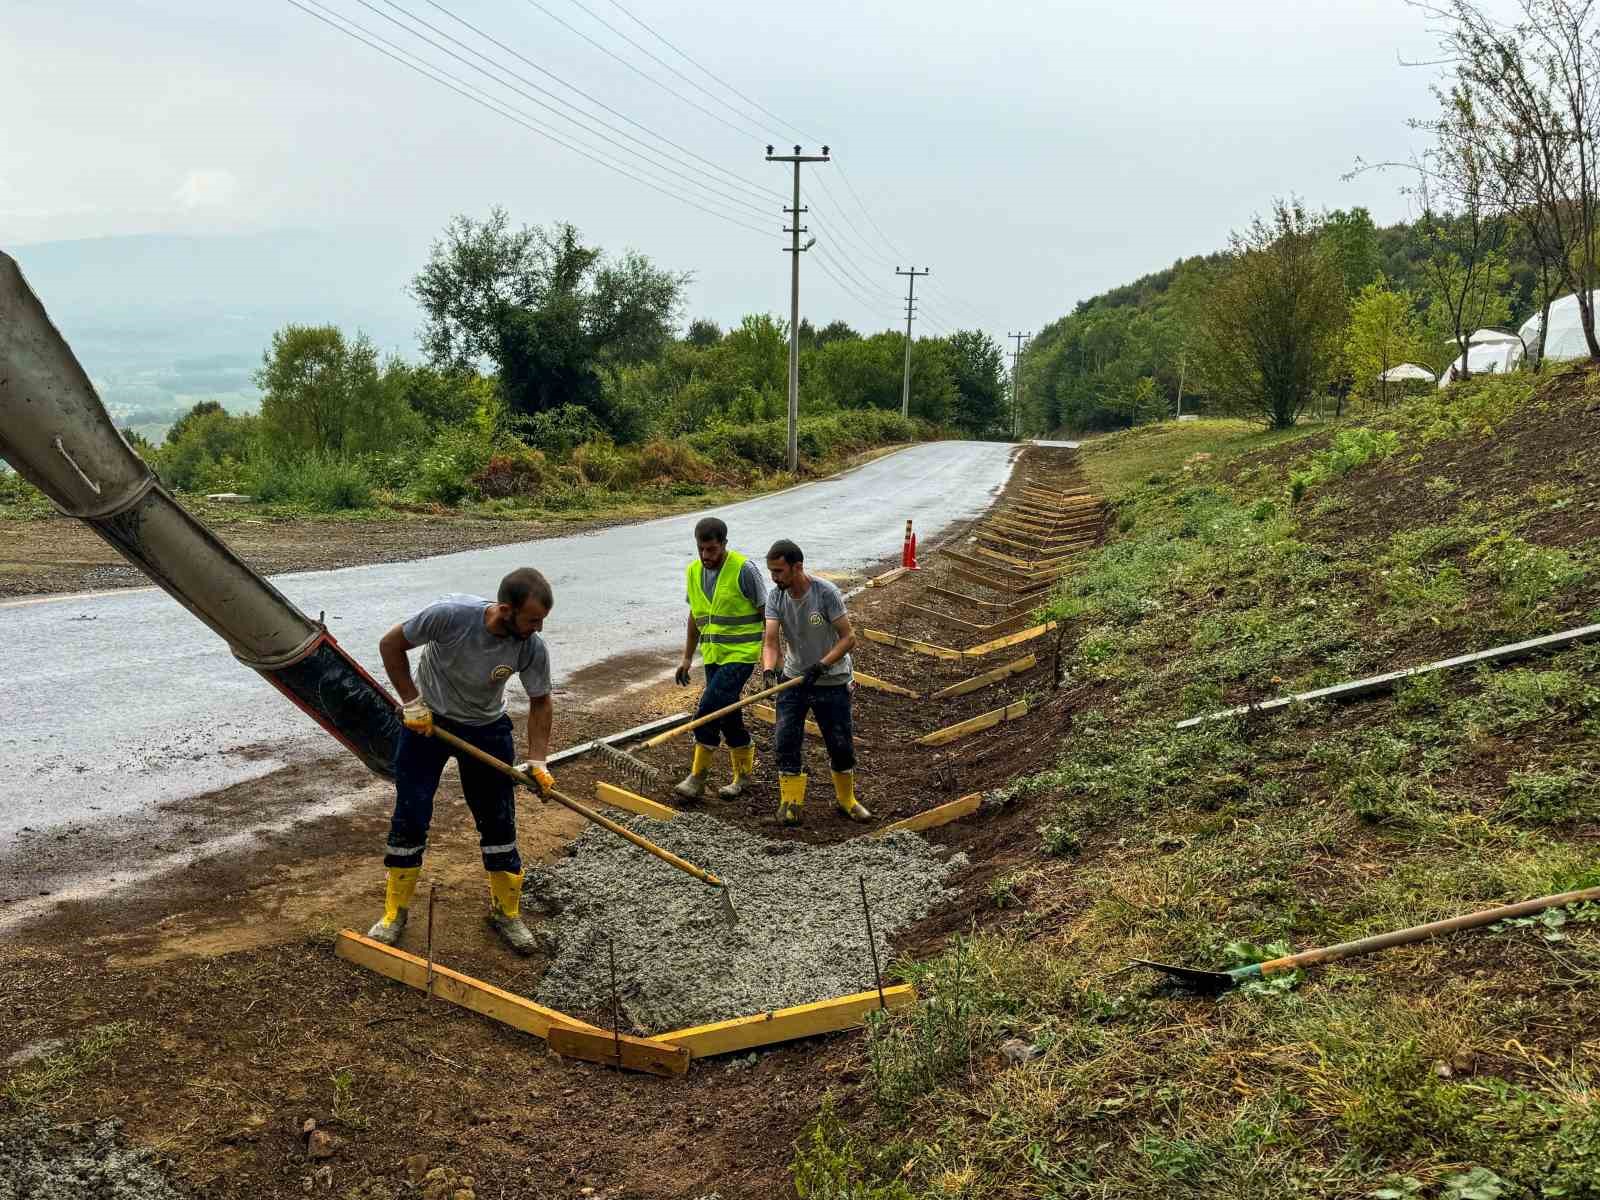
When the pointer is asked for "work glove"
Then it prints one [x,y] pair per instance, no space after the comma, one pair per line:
[681,677]
[541,774]
[814,673]
[770,678]
[418,717]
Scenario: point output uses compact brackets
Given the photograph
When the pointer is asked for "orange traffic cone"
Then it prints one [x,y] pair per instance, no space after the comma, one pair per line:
[913,562]
[908,550]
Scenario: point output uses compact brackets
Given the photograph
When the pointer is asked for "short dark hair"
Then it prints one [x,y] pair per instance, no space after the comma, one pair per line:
[516,587]
[711,529]
[785,549]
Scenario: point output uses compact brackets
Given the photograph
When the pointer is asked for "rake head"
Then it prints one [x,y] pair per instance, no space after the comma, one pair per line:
[638,771]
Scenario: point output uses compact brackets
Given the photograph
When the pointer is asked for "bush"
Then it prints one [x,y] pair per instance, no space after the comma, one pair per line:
[447,468]
[675,461]
[513,470]
[600,464]
[206,451]
[316,481]
[1351,448]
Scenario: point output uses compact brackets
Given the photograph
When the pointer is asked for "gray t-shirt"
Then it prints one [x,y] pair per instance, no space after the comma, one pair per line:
[751,582]
[808,631]
[463,668]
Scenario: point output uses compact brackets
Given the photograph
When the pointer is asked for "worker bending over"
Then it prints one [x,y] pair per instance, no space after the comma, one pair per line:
[470,648]
[726,596]
[817,638]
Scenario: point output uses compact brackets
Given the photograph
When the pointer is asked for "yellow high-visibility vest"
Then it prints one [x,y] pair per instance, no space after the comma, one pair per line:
[730,626]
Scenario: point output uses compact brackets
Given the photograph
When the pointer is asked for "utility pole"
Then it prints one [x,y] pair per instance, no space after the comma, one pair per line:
[1016,355]
[911,303]
[796,249]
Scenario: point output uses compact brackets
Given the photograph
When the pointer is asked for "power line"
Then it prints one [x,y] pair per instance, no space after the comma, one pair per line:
[864,245]
[656,58]
[706,70]
[898,253]
[367,4]
[849,294]
[836,272]
[604,49]
[459,86]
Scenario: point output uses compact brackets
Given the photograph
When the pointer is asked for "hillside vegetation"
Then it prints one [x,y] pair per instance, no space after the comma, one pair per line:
[1244,565]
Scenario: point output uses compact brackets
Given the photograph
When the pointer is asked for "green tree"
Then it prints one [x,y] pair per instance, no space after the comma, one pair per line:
[177,429]
[1272,332]
[324,395]
[978,371]
[1383,333]
[703,334]
[1354,239]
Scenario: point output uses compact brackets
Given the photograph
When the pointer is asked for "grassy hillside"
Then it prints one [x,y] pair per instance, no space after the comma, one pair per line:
[1244,566]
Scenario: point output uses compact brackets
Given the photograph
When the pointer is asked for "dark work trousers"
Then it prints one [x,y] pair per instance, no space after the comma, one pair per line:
[491,796]
[724,684]
[831,707]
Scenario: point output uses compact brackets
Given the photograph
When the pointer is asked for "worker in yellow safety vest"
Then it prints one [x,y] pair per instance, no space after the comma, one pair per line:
[727,597]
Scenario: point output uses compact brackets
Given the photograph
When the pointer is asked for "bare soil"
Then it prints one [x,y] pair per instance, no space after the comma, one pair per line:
[245,1024]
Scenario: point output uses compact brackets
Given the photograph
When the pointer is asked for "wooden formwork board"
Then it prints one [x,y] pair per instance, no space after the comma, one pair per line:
[1015,639]
[641,1054]
[610,793]
[994,568]
[978,682]
[786,1024]
[619,1050]
[1023,565]
[883,685]
[887,577]
[961,729]
[1028,589]
[916,647]
[1039,548]
[963,598]
[969,626]
[932,818]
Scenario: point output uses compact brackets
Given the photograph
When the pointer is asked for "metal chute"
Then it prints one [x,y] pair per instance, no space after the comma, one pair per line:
[57,434]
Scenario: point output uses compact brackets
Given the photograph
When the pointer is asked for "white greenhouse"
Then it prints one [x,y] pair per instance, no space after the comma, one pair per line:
[1565,339]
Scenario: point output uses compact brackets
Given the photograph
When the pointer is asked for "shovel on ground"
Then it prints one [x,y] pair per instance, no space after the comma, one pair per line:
[1198,980]
[583,810]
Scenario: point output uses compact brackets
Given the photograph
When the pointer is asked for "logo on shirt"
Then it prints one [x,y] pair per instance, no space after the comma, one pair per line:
[814,619]
[500,674]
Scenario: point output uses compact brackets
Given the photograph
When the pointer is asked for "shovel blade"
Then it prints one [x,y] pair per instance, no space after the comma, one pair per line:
[729,914]
[1192,978]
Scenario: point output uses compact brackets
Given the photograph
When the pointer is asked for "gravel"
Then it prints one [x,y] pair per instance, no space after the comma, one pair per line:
[41,1161]
[800,938]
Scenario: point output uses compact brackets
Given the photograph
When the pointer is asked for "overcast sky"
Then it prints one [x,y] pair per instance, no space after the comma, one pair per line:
[1031,153]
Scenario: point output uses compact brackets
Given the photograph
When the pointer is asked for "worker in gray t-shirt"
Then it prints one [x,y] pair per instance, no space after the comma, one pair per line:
[817,639]
[471,647]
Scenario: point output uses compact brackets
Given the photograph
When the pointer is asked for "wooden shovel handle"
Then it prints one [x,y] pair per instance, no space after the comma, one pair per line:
[721,712]
[1421,933]
[583,810]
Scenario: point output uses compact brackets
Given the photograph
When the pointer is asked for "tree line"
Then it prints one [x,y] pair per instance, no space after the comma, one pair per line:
[1306,308]
[550,367]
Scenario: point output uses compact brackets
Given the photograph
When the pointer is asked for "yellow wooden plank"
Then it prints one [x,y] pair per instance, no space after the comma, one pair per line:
[963,598]
[630,1053]
[454,987]
[932,818]
[883,685]
[983,564]
[1022,565]
[961,729]
[946,618]
[609,793]
[786,1024]
[987,578]
[902,643]
[887,577]
[1015,639]
[978,682]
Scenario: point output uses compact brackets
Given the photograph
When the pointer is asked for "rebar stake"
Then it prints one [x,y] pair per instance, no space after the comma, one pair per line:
[616,1005]
[433,887]
[872,944]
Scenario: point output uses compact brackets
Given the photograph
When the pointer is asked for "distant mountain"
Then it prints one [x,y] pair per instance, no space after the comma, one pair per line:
[160,321]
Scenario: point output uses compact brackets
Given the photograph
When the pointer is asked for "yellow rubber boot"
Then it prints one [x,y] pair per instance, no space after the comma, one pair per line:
[505,910]
[693,785]
[399,888]
[744,766]
[791,798]
[844,794]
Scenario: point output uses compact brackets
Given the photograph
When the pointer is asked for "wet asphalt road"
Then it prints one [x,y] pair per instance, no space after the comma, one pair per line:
[117,702]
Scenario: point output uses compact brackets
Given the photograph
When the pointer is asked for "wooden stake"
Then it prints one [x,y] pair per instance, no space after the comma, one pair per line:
[932,818]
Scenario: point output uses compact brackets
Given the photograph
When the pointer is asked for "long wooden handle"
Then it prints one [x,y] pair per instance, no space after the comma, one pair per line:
[722,712]
[1421,933]
[583,810]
